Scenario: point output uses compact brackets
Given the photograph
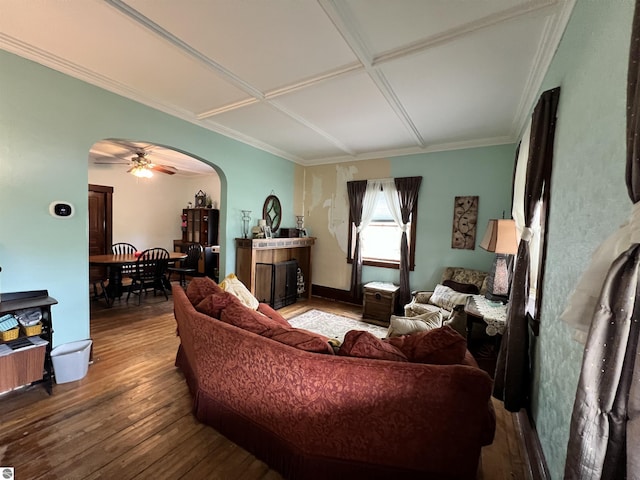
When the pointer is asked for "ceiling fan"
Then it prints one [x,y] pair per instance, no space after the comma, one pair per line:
[140,165]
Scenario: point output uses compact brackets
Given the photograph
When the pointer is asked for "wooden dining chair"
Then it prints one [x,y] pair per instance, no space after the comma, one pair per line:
[189,265]
[99,283]
[123,248]
[149,272]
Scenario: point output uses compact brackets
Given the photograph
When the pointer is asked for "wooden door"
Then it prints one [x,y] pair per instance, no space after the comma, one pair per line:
[100,226]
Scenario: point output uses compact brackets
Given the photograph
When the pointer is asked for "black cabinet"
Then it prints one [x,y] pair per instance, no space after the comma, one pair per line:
[201,226]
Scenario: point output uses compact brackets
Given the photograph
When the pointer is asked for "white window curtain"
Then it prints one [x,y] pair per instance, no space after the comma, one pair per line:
[393,202]
[369,203]
[388,188]
[517,214]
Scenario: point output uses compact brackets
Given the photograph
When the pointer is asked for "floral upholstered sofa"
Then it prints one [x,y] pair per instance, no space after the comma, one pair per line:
[449,296]
[313,411]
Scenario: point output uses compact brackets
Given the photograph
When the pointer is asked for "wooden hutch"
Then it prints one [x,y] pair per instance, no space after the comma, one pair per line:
[201,226]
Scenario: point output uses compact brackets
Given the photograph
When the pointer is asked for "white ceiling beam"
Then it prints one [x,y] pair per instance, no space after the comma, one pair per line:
[342,19]
[185,47]
[222,71]
[463,30]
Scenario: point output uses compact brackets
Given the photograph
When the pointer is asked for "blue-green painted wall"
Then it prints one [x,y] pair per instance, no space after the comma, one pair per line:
[486,172]
[589,198]
[48,122]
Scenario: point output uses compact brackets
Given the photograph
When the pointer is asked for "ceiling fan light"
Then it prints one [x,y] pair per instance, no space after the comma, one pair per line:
[141,172]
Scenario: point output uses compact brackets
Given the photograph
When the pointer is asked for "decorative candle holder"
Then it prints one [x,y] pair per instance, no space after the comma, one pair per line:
[246,217]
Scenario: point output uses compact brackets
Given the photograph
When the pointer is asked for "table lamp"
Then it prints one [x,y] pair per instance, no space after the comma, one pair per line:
[500,238]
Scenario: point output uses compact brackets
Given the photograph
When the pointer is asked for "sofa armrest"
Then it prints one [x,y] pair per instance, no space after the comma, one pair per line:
[422,296]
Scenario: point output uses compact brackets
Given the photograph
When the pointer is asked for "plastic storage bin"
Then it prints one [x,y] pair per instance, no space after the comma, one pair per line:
[71,361]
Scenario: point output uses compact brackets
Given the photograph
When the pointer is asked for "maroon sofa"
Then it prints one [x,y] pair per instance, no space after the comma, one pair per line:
[317,416]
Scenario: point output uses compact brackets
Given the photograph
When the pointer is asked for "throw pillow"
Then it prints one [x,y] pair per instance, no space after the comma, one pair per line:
[362,344]
[440,346]
[408,325]
[233,285]
[300,339]
[447,298]
[242,317]
[213,304]
[201,287]
[462,287]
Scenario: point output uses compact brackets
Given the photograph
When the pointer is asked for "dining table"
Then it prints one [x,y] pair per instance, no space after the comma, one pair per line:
[115,263]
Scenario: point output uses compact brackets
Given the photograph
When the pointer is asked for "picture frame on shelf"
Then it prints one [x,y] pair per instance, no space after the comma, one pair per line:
[267,231]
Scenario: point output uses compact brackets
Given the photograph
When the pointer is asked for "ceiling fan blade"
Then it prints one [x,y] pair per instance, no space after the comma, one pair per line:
[165,169]
[133,146]
[114,162]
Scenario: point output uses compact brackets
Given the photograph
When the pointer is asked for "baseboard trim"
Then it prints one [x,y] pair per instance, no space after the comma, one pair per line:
[334,294]
[534,456]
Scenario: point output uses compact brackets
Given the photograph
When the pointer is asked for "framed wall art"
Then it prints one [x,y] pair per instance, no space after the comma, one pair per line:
[465,219]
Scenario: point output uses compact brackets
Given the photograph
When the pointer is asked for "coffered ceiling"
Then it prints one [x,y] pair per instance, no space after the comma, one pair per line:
[313,81]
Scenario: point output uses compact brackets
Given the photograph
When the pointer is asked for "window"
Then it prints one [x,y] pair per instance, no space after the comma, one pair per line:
[380,240]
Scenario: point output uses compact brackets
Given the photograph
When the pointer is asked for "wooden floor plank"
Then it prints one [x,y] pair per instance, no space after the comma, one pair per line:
[130,417]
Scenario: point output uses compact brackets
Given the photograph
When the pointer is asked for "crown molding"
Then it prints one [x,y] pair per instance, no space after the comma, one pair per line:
[554,29]
[442,147]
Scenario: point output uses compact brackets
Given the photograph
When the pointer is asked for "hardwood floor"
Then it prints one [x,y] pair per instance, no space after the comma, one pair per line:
[130,417]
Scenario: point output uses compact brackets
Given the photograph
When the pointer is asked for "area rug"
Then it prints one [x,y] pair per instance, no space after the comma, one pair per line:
[333,326]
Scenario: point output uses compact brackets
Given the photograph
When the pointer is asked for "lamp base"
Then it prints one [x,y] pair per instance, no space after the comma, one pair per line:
[499,279]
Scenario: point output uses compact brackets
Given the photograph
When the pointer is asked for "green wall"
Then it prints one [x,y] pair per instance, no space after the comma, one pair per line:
[589,198]
[486,172]
[48,122]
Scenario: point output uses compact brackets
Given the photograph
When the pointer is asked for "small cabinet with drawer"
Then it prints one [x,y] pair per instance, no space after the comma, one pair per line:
[27,358]
[379,302]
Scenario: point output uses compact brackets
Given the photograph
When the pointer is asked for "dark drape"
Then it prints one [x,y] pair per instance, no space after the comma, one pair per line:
[605,423]
[355,191]
[512,369]
[407,188]
[633,111]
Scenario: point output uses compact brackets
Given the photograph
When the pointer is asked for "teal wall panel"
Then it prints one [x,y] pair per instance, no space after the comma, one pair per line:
[589,198]
[48,123]
[486,172]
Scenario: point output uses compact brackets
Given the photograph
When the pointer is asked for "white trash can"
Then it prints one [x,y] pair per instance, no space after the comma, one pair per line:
[71,361]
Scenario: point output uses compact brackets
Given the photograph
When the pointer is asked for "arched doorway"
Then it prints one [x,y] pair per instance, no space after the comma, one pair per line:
[147,210]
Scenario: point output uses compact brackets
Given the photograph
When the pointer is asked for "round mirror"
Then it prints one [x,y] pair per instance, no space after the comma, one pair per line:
[272,212]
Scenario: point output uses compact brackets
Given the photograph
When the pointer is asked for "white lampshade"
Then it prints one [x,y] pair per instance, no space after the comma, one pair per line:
[500,237]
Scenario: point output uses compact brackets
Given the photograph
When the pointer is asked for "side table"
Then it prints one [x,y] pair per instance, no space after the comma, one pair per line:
[479,309]
[379,302]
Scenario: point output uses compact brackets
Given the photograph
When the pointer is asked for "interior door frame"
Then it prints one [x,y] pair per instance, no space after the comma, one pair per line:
[108,217]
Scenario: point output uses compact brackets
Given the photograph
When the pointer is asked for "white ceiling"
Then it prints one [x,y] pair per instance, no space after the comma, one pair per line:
[313,81]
